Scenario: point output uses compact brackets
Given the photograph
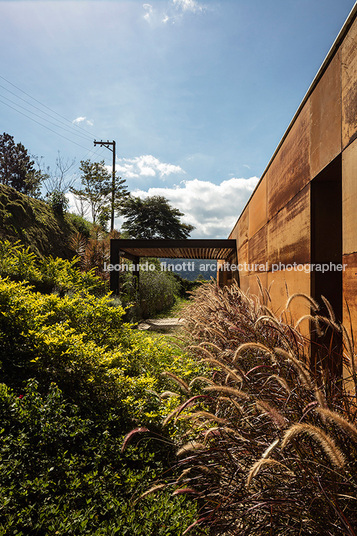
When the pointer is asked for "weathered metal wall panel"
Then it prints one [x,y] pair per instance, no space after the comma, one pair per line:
[290,170]
[349,292]
[258,208]
[349,86]
[326,117]
[243,227]
[257,248]
[281,286]
[289,231]
[349,199]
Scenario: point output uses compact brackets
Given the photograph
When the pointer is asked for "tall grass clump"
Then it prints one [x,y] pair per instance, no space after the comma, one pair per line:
[264,445]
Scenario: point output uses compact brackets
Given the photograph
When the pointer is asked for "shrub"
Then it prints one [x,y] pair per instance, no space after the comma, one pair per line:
[92,379]
[264,445]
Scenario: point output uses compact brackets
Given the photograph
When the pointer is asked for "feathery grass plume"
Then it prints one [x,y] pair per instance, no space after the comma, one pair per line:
[152,490]
[131,434]
[224,367]
[320,397]
[201,379]
[169,394]
[281,382]
[311,318]
[328,322]
[253,345]
[267,318]
[227,391]
[185,491]
[326,442]
[208,343]
[314,305]
[303,372]
[273,413]
[189,447]
[271,447]
[330,309]
[179,381]
[332,416]
[256,467]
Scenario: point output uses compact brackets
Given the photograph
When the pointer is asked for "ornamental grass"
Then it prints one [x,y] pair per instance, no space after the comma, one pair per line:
[266,438]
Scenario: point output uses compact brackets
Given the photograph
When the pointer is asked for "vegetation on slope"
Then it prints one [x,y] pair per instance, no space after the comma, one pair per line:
[35,224]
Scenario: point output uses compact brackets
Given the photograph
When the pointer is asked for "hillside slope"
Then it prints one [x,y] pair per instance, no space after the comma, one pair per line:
[33,223]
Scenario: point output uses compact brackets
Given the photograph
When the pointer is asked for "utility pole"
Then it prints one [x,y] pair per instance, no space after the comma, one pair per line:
[111,146]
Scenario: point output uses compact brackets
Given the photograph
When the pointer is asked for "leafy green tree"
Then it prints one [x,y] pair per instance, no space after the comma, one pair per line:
[17,169]
[153,217]
[96,190]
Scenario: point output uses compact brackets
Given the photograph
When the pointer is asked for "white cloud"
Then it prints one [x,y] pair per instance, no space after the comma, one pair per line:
[81,119]
[211,208]
[146,166]
[188,5]
[174,11]
[148,11]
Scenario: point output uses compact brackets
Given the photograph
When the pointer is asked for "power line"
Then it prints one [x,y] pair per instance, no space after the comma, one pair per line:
[45,126]
[43,112]
[80,135]
[45,106]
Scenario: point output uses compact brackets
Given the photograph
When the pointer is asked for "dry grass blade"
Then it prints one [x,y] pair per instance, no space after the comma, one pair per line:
[201,379]
[253,346]
[271,447]
[315,306]
[225,368]
[281,381]
[325,441]
[189,447]
[158,487]
[303,372]
[263,462]
[227,391]
[130,435]
[179,381]
[273,413]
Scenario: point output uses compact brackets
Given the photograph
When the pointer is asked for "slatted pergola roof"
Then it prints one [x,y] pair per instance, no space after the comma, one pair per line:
[175,249]
[133,249]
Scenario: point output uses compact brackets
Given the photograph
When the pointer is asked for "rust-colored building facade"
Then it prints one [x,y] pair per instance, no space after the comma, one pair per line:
[304,208]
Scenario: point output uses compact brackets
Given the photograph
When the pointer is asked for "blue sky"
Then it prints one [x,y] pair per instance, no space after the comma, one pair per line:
[196,93]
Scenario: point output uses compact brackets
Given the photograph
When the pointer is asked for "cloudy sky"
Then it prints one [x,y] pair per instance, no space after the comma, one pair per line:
[196,93]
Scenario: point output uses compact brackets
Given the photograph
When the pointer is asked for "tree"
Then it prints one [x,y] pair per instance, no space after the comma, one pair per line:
[17,169]
[95,180]
[153,217]
[96,192]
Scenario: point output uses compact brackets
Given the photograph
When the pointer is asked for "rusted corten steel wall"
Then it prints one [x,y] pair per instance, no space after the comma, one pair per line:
[318,151]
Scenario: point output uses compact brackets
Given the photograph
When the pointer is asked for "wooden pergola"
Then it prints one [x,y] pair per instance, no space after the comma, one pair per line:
[134,250]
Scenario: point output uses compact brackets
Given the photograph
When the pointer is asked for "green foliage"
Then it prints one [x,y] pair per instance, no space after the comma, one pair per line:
[93,378]
[64,474]
[34,223]
[153,217]
[16,167]
[58,202]
[157,292]
[46,274]
[81,225]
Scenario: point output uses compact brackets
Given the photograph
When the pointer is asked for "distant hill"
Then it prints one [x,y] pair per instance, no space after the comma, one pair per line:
[33,223]
[191,269]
